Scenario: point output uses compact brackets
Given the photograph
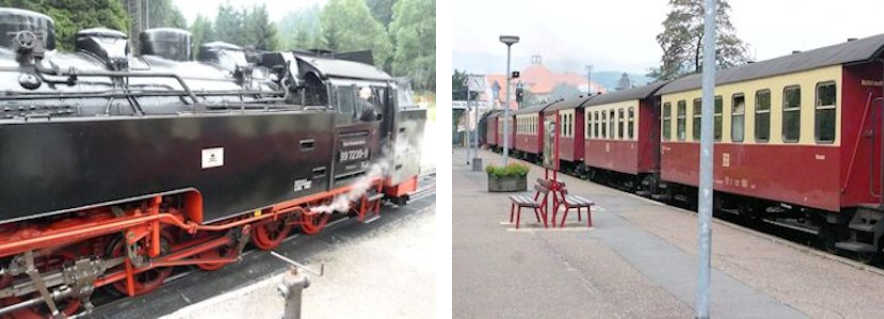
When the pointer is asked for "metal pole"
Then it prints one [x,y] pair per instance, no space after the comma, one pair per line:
[469,131]
[588,80]
[706,152]
[476,138]
[506,110]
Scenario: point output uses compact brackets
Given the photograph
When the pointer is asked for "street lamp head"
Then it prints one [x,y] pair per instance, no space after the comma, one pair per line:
[509,39]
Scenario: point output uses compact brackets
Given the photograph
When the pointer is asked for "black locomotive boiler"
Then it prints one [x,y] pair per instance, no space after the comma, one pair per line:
[117,167]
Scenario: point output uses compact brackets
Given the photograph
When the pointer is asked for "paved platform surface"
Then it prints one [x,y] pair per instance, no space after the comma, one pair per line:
[638,261]
[379,270]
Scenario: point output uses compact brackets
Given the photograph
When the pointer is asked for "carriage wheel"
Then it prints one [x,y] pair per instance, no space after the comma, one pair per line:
[220,252]
[145,281]
[68,306]
[313,223]
[271,233]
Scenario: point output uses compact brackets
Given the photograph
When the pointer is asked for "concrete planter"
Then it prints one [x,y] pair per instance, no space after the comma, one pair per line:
[507,183]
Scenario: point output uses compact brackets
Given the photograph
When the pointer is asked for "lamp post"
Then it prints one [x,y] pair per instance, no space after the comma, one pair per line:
[704,210]
[509,40]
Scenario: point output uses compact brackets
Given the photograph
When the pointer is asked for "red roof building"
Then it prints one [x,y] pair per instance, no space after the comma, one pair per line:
[539,80]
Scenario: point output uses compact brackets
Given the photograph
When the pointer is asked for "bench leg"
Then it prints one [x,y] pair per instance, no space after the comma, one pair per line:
[536,215]
[538,211]
[518,216]
[578,214]
[588,216]
[512,211]
[564,216]
[555,212]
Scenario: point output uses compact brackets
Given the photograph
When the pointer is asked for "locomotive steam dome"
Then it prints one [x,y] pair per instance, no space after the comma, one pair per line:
[15,20]
[223,54]
[169,43]
[110,46]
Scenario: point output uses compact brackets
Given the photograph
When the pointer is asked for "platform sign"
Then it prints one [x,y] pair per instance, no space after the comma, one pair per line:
[550,129]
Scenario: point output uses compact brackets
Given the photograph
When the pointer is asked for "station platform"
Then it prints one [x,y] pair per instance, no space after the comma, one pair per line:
[639,260]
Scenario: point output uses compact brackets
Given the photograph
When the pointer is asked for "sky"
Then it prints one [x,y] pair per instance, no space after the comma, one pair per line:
[209,8]
[619,35]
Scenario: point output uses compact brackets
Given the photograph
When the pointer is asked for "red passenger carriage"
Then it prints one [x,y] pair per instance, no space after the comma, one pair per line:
[622,133]
[569,112]
[529,132]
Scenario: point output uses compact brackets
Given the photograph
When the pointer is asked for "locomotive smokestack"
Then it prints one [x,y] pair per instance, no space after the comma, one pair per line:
[110,46]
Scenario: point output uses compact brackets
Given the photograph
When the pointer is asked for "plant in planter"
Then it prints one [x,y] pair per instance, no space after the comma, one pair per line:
[510,178]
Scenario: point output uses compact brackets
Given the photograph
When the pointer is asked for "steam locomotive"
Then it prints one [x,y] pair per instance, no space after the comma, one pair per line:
[118,167]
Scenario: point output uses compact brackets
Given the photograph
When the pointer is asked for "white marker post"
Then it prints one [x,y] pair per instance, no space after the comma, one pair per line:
[706,150]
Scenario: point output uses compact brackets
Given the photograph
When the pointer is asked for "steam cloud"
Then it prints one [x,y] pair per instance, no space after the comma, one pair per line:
[378,169]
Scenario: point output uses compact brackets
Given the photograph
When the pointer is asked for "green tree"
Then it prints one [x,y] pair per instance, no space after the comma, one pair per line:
[71,16]
[414,32]
[382,10]
[202,32]
[259,30]
[682,40]
[301,29]
[229,24]
[347,25]
[164,14]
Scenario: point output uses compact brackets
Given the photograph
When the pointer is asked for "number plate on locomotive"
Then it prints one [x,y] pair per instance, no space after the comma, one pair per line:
[353,155]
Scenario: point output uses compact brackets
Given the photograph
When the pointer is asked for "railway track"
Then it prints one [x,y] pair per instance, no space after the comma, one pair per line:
[107,303]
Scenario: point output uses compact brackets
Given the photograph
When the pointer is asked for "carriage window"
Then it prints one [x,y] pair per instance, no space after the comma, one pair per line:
[680,124]
[631,122]
[667,114]
[611,123]
[791,114]
[595,132]
[824,116]
[696,123]
[738,116]
[717,126]
[570,125]
[762,115]
[604,124]
[588,125]
[620,123]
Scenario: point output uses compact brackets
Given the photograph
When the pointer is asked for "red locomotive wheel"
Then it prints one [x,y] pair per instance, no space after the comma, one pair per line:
[221,252]
[145,281]
[313,223]
[269,234]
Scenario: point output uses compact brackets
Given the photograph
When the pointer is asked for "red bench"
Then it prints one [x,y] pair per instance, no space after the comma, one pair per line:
[573,201]
[535,202]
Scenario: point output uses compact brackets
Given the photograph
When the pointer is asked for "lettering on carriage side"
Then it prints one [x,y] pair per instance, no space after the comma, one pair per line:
[212,157]
[821,157]
[607,147]
[725,160]
[871,83]
[303,184]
